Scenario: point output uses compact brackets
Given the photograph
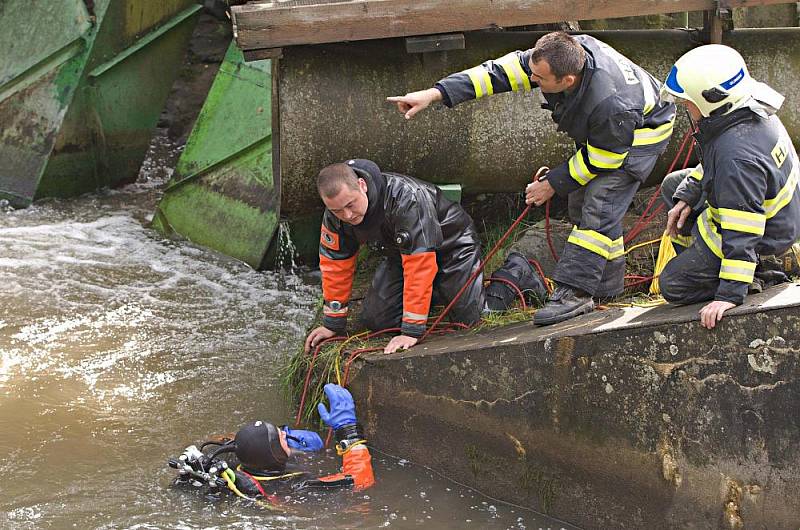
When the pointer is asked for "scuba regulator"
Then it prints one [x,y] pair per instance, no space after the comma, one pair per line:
[198,469]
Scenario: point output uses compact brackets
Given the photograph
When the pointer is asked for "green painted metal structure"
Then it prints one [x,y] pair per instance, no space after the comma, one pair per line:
[82,84]
[224,194]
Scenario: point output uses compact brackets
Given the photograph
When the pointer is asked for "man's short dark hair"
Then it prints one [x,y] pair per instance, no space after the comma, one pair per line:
[563,53]
[331,179]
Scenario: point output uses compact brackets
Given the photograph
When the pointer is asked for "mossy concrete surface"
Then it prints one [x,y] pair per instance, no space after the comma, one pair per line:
[623,418]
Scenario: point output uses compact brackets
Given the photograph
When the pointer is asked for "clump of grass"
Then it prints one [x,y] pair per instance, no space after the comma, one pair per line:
[504,318]
[331,361]
[329,366]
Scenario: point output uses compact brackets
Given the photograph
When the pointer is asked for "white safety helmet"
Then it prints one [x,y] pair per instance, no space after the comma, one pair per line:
[713,77]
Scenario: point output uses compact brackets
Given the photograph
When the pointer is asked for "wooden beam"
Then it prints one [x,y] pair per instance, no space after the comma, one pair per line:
[262,53]
[273,24]
[712,27]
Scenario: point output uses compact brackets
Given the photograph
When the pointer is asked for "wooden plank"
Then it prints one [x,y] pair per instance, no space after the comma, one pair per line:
[712,27]
[274,24]
[259,54]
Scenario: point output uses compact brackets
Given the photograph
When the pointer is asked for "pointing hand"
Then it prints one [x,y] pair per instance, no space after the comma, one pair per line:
[413,102]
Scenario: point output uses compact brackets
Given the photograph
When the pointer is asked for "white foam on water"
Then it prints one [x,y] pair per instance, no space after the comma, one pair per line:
[91,298]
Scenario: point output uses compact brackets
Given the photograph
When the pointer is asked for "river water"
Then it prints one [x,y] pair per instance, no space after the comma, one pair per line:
[118,348]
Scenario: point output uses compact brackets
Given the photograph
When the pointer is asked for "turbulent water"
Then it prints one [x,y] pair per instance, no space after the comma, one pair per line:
[118,348]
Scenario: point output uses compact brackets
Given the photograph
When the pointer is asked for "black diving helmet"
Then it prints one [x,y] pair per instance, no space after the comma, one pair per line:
[258,447]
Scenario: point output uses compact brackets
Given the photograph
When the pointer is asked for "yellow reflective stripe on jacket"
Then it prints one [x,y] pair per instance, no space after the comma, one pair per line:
[514,72]
[697,173]
[481,81]
[708,231]
[648,136]
[616,249]
[605,159]
[649,97]
[740,221]
[579,171]
[784,196]
[591,240]
[737,270]
[684,241]
[713,212]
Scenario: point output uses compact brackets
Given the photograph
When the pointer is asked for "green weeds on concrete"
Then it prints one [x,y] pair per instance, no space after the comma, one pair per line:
[332,359]
[328,366]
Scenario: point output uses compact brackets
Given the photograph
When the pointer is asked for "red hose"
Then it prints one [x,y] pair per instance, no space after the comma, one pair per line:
[519,293]
[647,216]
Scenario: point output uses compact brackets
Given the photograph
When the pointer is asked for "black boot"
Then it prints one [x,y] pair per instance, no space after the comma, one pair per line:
[565,303]
[517,270]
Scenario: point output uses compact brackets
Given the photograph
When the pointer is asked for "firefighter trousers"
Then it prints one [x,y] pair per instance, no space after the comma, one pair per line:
[593,259]
[693,275]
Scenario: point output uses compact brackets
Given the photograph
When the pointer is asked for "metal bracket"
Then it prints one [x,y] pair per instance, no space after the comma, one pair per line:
[435,43]
[723,9]
[717,21]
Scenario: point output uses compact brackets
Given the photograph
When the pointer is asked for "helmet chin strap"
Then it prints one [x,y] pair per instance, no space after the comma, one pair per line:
[689,116]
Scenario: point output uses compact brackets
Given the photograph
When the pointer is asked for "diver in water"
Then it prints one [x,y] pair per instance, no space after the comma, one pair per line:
[263,450]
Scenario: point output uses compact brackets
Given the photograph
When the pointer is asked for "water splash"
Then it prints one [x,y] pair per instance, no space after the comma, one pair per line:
[286,249]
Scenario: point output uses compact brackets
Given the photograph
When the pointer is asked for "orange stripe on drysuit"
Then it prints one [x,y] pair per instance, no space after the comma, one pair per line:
[419,270]
[337,278]
[357,464]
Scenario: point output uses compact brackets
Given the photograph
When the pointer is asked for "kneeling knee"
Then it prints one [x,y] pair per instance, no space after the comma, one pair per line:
[669,288]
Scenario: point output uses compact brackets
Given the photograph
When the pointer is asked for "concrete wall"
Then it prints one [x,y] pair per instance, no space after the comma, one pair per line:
[618,419]
[332,107]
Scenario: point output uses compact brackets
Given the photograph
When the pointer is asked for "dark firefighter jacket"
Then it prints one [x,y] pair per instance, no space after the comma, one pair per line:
[404,215]
[749,173]
[616,110]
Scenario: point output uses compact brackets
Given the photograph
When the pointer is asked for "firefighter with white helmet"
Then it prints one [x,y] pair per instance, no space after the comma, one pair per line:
[741,203]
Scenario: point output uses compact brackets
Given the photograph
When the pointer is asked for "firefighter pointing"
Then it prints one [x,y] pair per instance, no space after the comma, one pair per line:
[611,108]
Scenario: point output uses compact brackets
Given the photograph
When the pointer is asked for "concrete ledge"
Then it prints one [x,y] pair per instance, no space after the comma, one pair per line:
[634,418]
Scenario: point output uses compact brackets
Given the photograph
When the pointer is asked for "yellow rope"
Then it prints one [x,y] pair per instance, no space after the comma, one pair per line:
[666,251]
[230,478]
[351,338]
[227,474]
[287,475]
[337,369]
[650,303]
[337,366]
[341,453]
[640,245]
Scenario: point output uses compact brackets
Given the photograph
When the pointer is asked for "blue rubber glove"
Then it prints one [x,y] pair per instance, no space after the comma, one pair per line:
[303,440]
[343,410]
